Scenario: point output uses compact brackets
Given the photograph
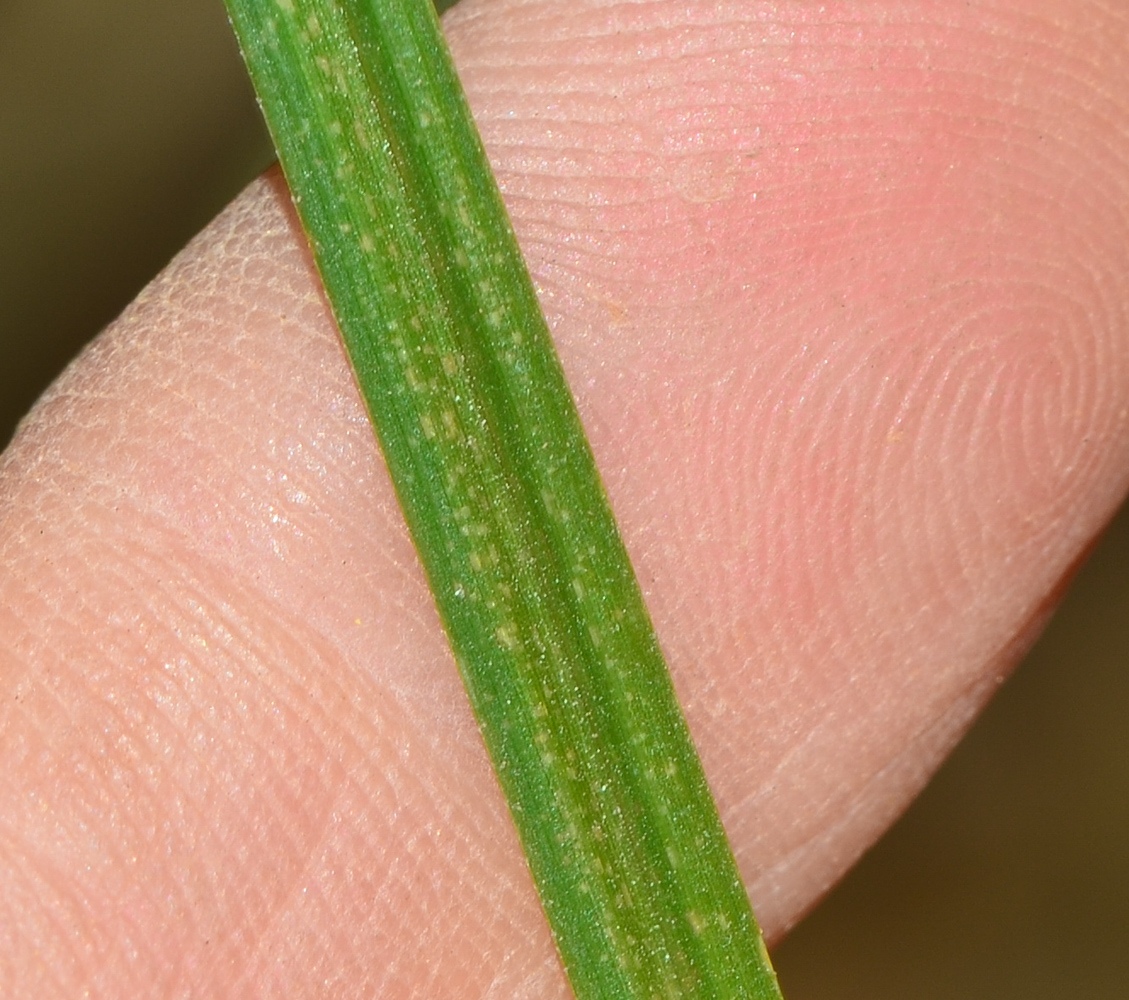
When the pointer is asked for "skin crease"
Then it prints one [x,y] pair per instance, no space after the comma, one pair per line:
[840,291]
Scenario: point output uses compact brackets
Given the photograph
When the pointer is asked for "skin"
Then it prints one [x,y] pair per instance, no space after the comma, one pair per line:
[841,292]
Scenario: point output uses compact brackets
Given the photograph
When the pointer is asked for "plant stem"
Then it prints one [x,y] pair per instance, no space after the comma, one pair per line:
[501,495]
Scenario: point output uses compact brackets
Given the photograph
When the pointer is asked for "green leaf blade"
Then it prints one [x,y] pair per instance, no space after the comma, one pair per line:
[503,500]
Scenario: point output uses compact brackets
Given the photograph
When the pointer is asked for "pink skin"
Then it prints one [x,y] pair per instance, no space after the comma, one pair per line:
[841,292]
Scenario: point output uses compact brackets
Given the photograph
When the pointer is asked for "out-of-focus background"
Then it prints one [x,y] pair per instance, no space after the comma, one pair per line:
[126,124]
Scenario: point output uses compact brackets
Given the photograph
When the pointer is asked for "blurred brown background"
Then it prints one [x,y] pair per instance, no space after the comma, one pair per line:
[126,124]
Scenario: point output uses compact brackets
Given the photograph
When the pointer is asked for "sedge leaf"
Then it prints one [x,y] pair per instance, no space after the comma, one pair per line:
[501,494]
